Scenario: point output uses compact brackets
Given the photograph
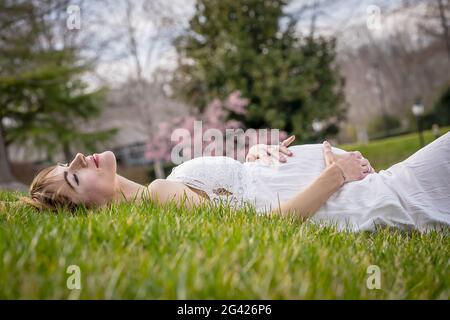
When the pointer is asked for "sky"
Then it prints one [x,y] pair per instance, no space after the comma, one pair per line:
[336,18]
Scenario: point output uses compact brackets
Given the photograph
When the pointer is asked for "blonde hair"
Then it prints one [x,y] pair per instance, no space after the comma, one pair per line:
[45,192]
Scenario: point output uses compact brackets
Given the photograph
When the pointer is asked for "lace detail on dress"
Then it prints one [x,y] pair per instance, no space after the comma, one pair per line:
[223,179]
[222,191]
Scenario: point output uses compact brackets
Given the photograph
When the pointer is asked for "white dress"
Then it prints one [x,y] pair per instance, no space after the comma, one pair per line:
[413,194]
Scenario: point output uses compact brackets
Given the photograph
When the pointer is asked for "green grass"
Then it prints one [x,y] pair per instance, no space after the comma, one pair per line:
[154,252]
[386,152]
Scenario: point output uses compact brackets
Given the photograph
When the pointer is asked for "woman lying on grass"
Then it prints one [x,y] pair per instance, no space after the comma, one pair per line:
[319,182]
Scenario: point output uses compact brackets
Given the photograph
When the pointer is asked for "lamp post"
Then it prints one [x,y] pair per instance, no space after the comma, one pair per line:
[381,96]
[418,110]
[435,130]
[317,126]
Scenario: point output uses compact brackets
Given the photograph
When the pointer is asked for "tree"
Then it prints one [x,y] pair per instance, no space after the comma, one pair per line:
[42,96]
[387,67]
[145,27]
[252,46]
[441,108]
[435,22]
[161,146]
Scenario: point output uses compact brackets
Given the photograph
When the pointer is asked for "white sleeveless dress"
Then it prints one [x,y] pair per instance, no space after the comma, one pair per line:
[413,194]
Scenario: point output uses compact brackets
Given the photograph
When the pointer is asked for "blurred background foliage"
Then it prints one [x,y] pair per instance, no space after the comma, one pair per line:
[240,44]
[43,97]
[85,76]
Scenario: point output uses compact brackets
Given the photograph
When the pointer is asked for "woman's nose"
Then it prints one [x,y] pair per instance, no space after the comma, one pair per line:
[79,161]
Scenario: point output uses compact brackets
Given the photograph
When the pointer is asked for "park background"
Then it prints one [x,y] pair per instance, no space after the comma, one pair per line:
[85,76]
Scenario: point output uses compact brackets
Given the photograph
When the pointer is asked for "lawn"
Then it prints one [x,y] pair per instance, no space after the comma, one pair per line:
[165,252]
[386,152]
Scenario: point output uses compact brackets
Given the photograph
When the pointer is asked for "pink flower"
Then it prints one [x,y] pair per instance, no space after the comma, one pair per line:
[233,124]
[283,135]
[214,112]
[188,123]
[236,103]
[215,115]
[164,126]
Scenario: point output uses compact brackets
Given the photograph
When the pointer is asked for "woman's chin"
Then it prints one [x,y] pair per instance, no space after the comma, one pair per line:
[109,161]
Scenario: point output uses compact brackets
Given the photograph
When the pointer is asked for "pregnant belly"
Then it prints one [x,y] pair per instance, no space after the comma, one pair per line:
[289,178]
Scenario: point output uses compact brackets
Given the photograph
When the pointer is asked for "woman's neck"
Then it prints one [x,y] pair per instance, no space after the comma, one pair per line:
[127,190]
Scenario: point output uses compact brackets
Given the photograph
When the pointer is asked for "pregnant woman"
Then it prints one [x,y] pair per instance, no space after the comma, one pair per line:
[325,184]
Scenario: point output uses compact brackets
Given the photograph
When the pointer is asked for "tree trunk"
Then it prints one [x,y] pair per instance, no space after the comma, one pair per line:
[159,172]
[67,153]
[445,27]
[6,175]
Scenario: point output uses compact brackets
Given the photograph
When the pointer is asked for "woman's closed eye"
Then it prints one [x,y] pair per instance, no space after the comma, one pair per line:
[74,175]
[76,179]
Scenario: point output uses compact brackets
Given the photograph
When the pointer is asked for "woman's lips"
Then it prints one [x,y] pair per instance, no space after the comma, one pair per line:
[96,159]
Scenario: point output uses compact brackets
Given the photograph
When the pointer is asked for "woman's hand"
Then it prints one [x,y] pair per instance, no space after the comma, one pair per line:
[270,153]
[353,166]
[330,157]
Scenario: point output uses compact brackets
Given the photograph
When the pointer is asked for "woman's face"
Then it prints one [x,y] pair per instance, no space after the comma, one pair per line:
[91,179]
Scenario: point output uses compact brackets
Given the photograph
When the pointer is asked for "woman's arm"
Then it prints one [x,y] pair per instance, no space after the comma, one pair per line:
[307,202]
[303,204]
[347,168]
[162,191]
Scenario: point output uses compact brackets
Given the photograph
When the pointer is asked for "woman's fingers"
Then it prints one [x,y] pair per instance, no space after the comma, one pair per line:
[357,154]
[328,157]
[283,146]
[279,157]
[368,166]
[364,164]
[360,156]
[328,153]
[274,152]
[353,168]
[267,160]
[288,141]
[285,150]
[363,175]
[364,161]
[371,169]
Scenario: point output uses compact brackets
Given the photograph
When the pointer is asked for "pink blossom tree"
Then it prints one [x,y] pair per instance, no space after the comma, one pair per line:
[215,116]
